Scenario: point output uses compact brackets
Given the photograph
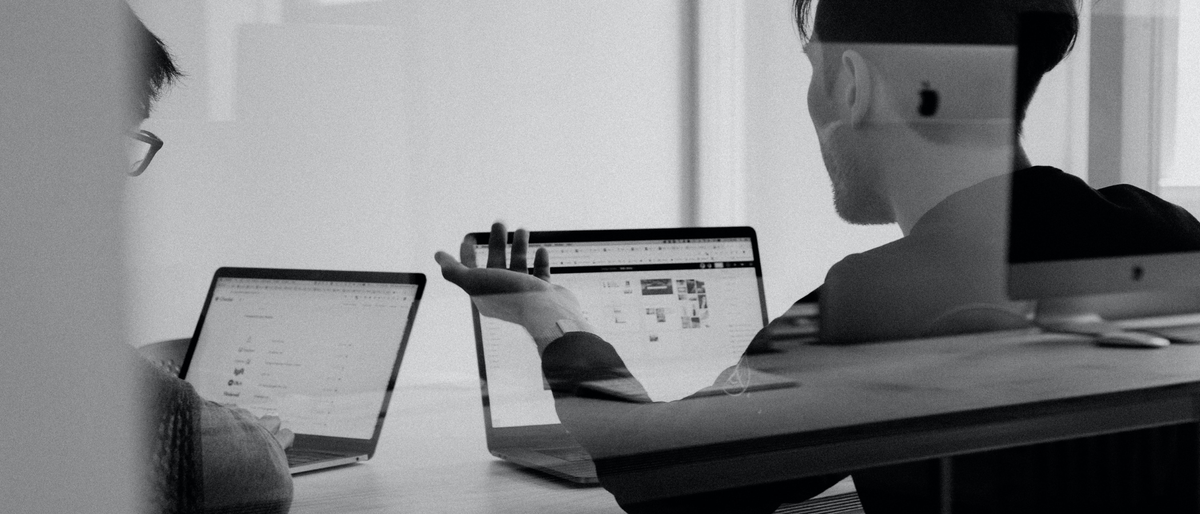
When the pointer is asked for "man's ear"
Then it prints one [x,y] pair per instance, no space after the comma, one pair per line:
[858,95]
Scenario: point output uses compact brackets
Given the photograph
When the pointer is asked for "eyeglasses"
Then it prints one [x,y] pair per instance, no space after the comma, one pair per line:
[141,147]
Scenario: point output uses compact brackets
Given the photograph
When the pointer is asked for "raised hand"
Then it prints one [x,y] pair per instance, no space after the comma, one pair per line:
[508,291]
[497,278]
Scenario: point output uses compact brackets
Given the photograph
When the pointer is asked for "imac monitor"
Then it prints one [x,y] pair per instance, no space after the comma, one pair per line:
[1120,253]
[1125,274]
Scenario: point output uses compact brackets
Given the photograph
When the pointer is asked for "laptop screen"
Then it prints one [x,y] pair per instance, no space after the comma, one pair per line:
[318,354]
[678,311]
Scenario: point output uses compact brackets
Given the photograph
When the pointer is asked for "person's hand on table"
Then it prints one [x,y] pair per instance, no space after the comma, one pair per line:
[509,292]
[244,464]
[275,426]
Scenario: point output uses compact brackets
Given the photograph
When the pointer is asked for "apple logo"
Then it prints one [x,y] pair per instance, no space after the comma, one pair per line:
[929,100]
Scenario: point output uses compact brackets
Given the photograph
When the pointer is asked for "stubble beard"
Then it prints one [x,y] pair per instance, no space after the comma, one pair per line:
[857,196]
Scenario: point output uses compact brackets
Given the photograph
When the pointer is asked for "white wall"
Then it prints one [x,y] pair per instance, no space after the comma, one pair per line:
[1056,125]
[1182,159]
[67,429]
[373,142]
[368,136]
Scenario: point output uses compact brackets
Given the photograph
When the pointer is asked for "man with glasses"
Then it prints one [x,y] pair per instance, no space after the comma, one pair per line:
[205,456]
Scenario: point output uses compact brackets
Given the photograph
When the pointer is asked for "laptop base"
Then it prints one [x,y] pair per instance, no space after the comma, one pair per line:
[323,463]
[579,471]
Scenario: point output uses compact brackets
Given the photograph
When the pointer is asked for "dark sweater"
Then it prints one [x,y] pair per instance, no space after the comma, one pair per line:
[207,458]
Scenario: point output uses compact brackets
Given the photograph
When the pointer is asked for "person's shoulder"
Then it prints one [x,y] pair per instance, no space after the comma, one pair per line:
[172,437]
[1051,181]
[166,391]
[1068,218]
[1156,216]
[1047,186]
[1046,173]
[903,252]
[859,279]
[1133,197]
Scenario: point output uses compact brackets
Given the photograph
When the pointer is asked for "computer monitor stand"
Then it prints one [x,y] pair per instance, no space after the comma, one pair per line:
[1073,315]
[1097,315]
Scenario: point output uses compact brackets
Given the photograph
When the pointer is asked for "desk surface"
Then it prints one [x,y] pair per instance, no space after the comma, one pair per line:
[855,407]
[870,405]
[432,457]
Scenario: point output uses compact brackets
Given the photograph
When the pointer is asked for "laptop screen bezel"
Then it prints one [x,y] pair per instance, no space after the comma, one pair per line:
[307,441]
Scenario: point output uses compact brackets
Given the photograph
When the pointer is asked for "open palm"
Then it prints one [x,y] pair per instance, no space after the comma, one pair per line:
[508,291]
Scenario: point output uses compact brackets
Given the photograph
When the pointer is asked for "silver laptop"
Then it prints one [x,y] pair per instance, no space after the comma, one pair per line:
[318,349]
[679,306]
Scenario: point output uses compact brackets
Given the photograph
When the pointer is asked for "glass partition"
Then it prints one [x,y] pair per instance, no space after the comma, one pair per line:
[667,364]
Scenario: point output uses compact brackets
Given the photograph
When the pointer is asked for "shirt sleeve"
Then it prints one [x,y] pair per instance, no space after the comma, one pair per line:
[245,468]
[174,471]
[583,364]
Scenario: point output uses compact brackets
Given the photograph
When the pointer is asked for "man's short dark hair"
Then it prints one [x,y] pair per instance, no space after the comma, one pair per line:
[1047,28]
[153,68]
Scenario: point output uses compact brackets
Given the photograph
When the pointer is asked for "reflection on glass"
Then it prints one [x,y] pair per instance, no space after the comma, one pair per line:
[932,151]
[388,135]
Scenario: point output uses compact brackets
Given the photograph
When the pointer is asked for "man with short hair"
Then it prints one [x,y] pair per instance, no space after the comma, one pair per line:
[947,186]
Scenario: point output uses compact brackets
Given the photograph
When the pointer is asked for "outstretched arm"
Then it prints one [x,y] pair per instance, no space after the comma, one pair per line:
[606,428]
[508,291]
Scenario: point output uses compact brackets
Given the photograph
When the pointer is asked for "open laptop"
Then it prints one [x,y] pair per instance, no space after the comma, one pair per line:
[318,349]
[679,305]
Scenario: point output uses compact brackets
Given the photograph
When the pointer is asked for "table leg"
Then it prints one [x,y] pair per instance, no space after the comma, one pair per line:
[946,484]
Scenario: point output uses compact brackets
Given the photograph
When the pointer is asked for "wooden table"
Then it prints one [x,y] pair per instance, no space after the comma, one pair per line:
[855,407]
